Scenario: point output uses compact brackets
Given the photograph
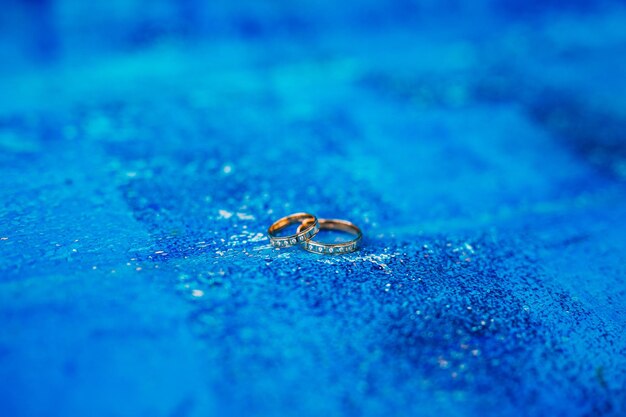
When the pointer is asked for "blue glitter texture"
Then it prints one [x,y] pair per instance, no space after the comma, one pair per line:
[145,147]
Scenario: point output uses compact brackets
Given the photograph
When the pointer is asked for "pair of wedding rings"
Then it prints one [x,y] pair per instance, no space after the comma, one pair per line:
[308,227]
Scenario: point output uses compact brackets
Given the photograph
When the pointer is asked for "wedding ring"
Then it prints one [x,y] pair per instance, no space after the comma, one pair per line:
[307,229]
[333,248]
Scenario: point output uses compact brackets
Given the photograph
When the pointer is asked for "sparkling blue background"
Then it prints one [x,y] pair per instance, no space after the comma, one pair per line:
[146,146]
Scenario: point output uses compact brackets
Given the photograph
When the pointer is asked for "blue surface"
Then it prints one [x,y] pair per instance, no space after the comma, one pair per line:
[145,147]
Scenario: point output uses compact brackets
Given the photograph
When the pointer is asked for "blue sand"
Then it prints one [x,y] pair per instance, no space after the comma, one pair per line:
[145,147]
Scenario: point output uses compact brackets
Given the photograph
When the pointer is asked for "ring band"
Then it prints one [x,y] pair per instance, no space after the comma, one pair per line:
[308,228]
[334,248]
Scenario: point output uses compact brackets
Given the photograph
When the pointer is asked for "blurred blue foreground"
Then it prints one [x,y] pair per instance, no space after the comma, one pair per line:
[145,147]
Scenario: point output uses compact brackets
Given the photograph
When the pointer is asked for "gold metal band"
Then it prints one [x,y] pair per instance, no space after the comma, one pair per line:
[334,248]
[307,229]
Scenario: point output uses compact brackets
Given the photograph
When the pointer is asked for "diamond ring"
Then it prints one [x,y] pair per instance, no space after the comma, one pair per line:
[307,229]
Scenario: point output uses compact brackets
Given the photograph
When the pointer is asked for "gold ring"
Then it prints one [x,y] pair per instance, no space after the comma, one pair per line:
[304,232]
[334,248]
